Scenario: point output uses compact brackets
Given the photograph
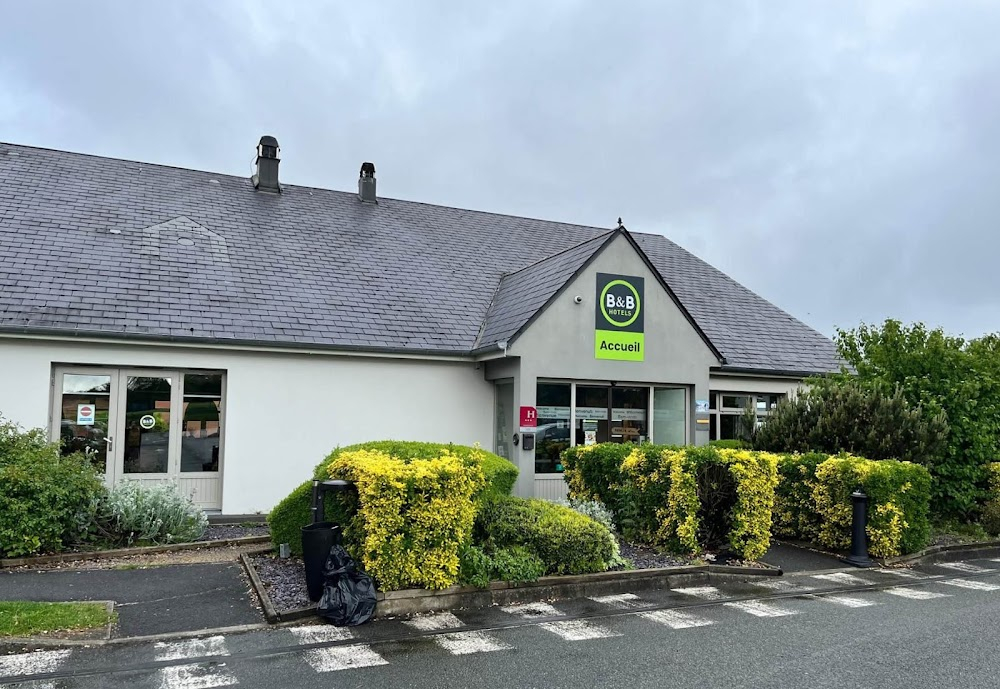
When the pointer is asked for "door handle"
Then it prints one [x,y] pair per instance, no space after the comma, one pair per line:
[110,441]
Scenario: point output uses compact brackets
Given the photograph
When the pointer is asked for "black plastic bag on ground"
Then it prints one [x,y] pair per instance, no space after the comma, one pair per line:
[348,594]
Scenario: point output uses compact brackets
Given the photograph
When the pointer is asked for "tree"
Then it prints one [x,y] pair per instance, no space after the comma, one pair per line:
[844,414]
[940,375]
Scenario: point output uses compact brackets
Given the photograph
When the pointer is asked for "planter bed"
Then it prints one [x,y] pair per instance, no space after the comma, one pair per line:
[280,585]
[221,540]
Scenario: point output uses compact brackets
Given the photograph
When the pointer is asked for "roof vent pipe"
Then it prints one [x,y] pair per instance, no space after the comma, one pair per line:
[366,183]
[266,177]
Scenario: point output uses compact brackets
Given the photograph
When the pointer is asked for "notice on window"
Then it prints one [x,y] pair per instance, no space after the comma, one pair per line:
[619,332]
[85,414]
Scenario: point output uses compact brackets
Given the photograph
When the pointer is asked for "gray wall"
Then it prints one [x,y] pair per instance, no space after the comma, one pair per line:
[560,344]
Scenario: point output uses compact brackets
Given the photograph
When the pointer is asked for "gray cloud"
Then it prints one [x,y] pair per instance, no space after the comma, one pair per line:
[840,160]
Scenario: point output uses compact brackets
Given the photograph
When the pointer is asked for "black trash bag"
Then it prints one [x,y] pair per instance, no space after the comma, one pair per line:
[348,593]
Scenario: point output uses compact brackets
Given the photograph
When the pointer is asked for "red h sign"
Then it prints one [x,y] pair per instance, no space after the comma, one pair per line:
[529,417]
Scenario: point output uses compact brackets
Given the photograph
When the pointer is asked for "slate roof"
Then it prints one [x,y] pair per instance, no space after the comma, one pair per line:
[101,246]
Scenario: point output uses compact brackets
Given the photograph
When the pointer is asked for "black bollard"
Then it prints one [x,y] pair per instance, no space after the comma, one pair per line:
[859,539]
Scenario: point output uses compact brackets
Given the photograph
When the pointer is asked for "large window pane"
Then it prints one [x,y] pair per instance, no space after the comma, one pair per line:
[552,434]
[629,422]
[669,416]
[202,424]
[503,421]
[147,424]
[592,414]
[83,423]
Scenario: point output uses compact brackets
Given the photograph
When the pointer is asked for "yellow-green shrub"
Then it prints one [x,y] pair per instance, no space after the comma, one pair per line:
[676,486]
[898,503]
[412,516]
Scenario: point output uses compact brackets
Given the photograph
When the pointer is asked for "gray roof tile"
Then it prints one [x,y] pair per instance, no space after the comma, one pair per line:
[100,245]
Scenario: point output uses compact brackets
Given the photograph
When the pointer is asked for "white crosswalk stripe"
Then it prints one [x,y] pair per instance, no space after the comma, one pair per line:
[760,608]
[847,601]
[963,567]
[33,663]
[529,610]
[463,643]
[915,594]
[783,586]
[706,592]
[619,600]
[194,676]
[435,622]
[973,585]
[904,573]
[578,630]
[843,578]
[675,619]
[337,657]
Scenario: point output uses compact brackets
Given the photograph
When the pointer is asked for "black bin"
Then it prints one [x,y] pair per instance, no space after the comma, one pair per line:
[317,539]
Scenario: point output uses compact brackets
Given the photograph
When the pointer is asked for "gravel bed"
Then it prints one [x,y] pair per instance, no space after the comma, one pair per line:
[218,532]
[284,580]
[644,557]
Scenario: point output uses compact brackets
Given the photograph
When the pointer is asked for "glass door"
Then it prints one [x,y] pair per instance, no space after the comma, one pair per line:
[85,414]
[143,445]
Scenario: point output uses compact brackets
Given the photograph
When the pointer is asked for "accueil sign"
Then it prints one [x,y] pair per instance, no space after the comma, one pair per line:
[620,318]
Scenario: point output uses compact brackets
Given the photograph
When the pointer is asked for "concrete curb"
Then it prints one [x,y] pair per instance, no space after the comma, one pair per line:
[939,553]
[411,601]
[34,642]
[129,552]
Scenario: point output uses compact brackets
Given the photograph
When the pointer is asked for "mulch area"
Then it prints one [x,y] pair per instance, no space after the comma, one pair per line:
[220,532]
[284,580]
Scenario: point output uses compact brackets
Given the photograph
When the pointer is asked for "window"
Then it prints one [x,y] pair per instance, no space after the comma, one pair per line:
[83,425]
[552,435]
[628,415]
[201,429]
[728,410]
[669,416]
[502,420]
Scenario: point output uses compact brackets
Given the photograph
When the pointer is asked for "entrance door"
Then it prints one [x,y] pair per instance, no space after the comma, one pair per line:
[152,426]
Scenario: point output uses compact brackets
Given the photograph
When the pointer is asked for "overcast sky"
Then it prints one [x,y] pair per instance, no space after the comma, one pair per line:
[840,159]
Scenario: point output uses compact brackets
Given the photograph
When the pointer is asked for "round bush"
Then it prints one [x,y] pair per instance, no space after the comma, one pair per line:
[136,514]
[45,498]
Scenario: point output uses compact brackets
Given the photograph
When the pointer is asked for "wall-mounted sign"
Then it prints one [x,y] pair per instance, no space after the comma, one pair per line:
[529,419]
[619,333]
[147,421]
[85,415]
[701,406]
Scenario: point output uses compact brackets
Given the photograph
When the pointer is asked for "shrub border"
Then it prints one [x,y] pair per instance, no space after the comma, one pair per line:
[128,552]
[410,601]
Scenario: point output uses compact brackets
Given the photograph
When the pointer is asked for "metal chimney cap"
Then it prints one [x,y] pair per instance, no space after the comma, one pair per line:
[367,169]
[268,140]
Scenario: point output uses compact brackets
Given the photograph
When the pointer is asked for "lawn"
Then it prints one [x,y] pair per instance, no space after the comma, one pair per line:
[25,618]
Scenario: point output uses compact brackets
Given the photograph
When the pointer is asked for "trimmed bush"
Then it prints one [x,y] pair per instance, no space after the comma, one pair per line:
[899,496]
[413,516]
[795,513]
[566,541]
[136,514]
[45,498]
[731,444]
[515,565]
[291,514]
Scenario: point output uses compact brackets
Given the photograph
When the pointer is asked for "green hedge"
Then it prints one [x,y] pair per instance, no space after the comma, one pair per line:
[291,514]
[814,501]
[566,541]
[46,499]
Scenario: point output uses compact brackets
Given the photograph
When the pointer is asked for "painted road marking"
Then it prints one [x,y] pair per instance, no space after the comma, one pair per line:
[760,609]
[974,585]
[319,633]
[191,648]
[194,676]
[618,600]
[963,567]
[706,592]
[578,630]
[915,594]
[843,578]
[343,658]
[529,610]
[33,663]
[675,619]
[463,643]
[847,601]
[905,573]
[435,622]
[783,586]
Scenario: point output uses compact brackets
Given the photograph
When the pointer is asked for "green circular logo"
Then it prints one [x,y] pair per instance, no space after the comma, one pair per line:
[620,307]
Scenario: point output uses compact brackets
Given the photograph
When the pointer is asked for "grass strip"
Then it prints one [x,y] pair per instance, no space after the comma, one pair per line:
[28,618]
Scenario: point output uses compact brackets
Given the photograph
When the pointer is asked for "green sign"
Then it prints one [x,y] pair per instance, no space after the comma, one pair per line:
[620,318]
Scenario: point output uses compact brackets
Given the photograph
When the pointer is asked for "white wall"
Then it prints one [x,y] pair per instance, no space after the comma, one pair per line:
[284,411]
